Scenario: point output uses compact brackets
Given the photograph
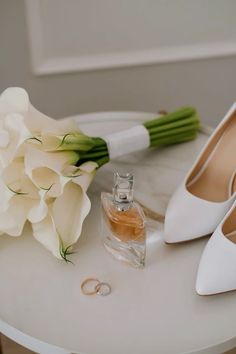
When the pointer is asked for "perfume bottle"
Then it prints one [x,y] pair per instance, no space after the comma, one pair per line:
[124,222]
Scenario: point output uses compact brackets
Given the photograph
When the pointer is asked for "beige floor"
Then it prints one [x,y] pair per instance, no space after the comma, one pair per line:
[10,347]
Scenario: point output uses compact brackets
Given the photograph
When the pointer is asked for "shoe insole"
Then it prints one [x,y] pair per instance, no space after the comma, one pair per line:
[215,182]
[229,226]
[232,236]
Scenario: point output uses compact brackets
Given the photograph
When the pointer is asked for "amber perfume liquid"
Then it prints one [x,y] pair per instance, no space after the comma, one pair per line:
[123,223]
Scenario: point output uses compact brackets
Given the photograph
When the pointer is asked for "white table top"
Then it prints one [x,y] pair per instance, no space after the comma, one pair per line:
[153,311]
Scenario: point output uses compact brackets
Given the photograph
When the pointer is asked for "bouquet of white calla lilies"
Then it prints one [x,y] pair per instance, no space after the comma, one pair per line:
[47,165]
[36,180]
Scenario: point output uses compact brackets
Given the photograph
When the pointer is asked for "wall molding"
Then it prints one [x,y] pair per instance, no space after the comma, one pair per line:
[41,65]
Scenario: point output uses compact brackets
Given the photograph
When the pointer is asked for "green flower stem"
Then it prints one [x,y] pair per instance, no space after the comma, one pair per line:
[92,155]
[178,124]
[102,148]
[182,113]
[178,139]
[99,142]
[99,160]
[175,132]
[102,161]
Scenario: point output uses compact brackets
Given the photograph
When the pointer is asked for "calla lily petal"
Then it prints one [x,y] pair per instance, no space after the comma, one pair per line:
[14,99]
[50,182]
[45,232]
[76,171]
[13,219]
[39,123]
[6,195]
[15,124]
[62,127]
[84,180]
[88,166]
[56,161]
[4,138]
[39,211]
[17,132]
[69,223]
[75,141]
[17,181]
[45,169]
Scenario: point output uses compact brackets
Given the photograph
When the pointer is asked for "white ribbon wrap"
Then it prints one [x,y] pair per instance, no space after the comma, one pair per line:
[127,141]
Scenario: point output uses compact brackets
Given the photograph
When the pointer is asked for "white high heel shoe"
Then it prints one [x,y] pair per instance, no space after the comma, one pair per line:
[208,191]
[217,268]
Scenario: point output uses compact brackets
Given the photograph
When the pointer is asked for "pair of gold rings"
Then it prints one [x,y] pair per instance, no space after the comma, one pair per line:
[92,286]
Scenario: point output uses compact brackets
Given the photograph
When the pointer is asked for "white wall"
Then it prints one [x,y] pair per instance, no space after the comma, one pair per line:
[89,55]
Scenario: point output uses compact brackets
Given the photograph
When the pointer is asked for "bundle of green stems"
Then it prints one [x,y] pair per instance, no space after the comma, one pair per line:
[171,128]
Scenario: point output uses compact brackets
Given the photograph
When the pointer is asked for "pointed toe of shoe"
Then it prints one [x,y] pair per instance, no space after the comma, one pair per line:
[182,218]
[189,217]
[217,268]
[203,286]
[178,227]
[207,281]
[174,230]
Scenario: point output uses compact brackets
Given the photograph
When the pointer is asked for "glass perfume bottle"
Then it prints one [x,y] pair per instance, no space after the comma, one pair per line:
[124,222]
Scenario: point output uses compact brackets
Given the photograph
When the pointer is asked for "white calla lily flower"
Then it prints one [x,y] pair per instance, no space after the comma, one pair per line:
[60,229]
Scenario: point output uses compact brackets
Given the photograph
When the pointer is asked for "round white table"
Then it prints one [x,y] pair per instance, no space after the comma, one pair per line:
[151,311]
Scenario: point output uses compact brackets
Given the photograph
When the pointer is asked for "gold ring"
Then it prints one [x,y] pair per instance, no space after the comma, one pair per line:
[85,282]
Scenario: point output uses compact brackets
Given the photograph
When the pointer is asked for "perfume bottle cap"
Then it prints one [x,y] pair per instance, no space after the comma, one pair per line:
[123,190]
